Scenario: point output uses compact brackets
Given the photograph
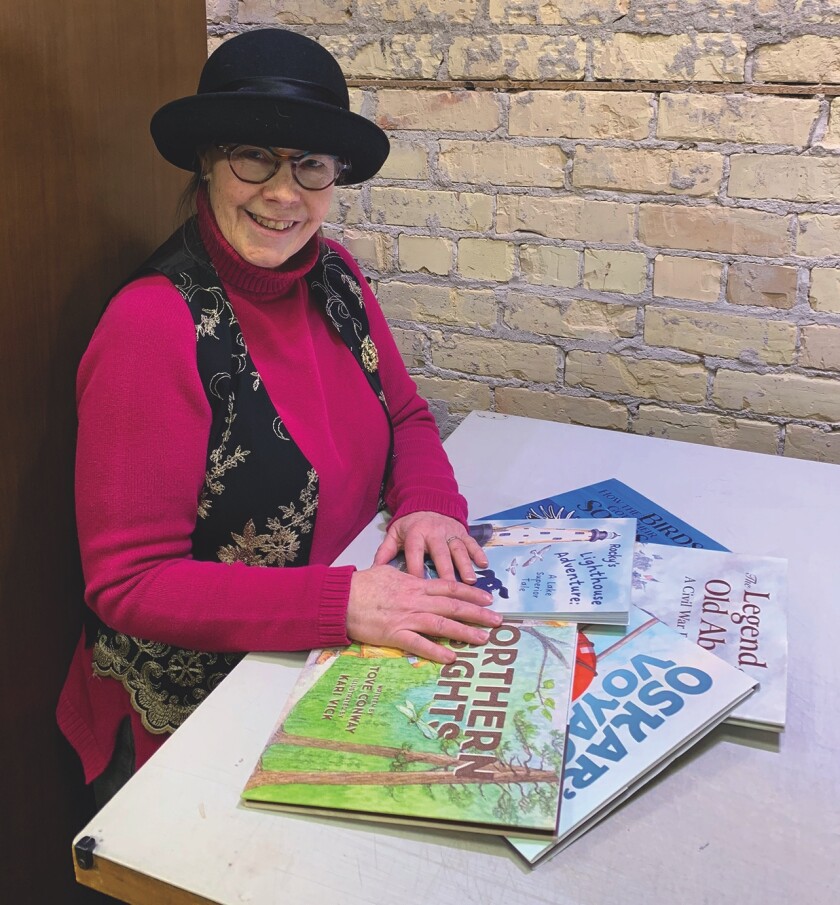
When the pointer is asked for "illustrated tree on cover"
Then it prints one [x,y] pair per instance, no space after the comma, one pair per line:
[524,772]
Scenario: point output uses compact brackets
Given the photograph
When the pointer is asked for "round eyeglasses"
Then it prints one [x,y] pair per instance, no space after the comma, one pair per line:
[256,165]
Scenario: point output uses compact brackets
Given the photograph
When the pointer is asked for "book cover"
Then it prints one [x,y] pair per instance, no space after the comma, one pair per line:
[554,568]
[730,604]
[478,744]
[614,499]
[645,696]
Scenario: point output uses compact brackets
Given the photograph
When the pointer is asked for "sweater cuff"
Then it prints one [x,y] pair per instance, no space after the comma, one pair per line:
[335,594]
[449,504]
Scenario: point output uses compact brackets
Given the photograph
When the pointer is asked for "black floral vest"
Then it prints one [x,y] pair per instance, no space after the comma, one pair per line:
[260,496]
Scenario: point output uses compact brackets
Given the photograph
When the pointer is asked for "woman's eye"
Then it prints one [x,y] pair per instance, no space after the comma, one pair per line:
[257,155]
[315,164]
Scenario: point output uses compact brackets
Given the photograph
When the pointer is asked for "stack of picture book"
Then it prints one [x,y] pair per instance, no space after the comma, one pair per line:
[628,635]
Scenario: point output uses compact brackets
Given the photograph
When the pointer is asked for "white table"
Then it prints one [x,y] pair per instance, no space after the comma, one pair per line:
[738,820]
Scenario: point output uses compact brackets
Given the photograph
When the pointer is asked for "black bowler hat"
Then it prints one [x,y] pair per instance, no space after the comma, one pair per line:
[274,88]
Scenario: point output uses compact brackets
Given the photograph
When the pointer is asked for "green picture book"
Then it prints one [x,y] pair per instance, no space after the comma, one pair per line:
[373,733]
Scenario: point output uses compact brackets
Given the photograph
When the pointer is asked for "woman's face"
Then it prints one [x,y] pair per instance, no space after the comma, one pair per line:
[266,223]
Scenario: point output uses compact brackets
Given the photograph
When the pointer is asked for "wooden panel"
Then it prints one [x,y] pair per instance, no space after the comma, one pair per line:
[84,196]
[126,885]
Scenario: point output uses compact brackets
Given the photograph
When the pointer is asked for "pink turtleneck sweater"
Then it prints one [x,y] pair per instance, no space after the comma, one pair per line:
[144,422]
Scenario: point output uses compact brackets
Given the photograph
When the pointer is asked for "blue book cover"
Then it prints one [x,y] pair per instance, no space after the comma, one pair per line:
[547,568]
[614,499]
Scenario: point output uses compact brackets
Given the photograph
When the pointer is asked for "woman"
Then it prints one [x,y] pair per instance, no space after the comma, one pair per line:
[243,413]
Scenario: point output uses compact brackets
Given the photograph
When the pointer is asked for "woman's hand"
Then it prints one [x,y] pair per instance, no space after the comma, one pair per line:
[444,539]
[391,608]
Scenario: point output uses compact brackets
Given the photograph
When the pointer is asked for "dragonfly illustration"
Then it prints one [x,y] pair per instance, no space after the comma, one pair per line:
[409,711]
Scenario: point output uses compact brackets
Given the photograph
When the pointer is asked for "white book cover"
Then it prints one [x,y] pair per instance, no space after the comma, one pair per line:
[730,604]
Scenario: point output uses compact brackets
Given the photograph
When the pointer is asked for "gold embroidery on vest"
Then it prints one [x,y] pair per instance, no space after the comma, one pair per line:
[186,668]
[212,483]
[280,546]
[370,355]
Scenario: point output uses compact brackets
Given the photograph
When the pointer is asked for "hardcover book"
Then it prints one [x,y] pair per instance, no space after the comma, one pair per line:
[643,695]
[614,499]
[557,569]
[373,733]
[730,604]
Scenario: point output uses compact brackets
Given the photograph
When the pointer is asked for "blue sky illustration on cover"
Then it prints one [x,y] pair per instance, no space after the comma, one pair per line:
[578,570]
[614,499]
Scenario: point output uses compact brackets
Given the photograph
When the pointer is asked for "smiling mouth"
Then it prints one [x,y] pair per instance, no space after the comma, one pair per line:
[277,226]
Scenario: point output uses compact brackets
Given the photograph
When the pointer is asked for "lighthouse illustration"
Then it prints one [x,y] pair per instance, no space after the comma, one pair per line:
[490,534]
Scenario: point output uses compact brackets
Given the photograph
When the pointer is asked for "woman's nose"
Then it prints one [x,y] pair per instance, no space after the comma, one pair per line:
[282,186]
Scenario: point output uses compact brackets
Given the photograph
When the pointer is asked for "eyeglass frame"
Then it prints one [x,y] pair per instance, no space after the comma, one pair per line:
[293,159]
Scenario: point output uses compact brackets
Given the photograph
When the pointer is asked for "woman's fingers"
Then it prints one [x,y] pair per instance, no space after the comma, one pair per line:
[395,609]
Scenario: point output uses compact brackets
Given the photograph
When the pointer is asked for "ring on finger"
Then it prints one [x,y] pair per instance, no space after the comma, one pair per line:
[451,538]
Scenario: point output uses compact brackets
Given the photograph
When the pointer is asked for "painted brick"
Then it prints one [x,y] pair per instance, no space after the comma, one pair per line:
[806,58]
[820,347]
[393,57]
[406,161]
[831,139]
[294,12]
[425,253]
[357,98]
[510,56]
[784,176]
[706,57]
[736,117]
[460,395]
[656,171]
[416,207]
[646,378]
[819,235]
[818,12]
[502,163]
[706,428]
[557,12]
[346,206]
[374,249]
[767,285]
[550,406]
[697,279]
[218,10]
[702,13]
[727,230]
[449,11]
[434,304]
[573,318]
[491,357]
[546,265]
[721,335]
[803,442]
[485,259]
[785,395]
[566,217]
[581,114]
[438,111]
[825,290]
[411,345]
[614,271]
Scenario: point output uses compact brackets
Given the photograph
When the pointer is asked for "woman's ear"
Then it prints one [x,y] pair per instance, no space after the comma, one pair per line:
[204,163]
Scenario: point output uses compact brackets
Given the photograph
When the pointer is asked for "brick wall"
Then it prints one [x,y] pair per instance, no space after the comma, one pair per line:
[619,213]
